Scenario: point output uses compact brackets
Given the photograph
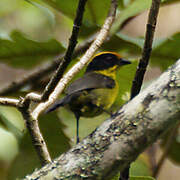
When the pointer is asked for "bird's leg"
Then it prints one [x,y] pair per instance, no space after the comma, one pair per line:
[77,131]
[77,127]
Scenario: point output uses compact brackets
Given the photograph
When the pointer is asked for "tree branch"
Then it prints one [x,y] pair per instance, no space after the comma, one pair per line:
[35,133]
[143,63]
[9,102]
[84,60]
[119,140]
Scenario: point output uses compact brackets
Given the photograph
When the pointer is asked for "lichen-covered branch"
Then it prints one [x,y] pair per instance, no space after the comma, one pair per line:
[119,140]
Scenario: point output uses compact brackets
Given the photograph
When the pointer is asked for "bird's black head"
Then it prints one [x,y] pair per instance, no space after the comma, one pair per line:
[105,60]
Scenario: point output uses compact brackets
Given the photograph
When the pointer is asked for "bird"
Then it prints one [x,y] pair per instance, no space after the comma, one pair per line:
[94,92]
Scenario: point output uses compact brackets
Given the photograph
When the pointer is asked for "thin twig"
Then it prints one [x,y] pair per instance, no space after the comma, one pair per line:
[143,63]
[68,56]
[84,60]
[9,102]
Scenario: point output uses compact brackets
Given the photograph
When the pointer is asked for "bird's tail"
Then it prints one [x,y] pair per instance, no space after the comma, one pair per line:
[65,100]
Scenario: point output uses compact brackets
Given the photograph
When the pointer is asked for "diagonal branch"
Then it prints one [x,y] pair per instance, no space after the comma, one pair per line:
[68,56]
[119,140]
[84,60]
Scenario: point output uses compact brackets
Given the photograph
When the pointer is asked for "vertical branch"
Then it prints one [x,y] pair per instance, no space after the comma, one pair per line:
[144,61]
[35,133]
[68,56]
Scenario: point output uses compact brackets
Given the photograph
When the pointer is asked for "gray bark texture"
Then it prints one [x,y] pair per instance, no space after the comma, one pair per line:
[119,140]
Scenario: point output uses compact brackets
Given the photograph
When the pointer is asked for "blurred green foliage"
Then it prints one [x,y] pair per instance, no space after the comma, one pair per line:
[57,143]
[33,32]
[173,151]
[141,178]
[22,52]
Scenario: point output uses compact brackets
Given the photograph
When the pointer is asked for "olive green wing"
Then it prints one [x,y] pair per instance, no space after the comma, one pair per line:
[89,81]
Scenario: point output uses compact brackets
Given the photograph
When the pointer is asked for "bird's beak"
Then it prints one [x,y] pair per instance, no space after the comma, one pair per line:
[123,62]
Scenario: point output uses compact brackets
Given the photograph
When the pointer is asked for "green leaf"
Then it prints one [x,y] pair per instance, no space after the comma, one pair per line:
[166,53]
[135,178]
[141,178]
[141,167]
[137,41]
[12,121]
[57,143]
[116,177]
[50,16]
[95,12]
[8,6]
[123,46]
[125,78]
[169,1]
[20,51]
[8,145]
[173,153]
[132,9]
